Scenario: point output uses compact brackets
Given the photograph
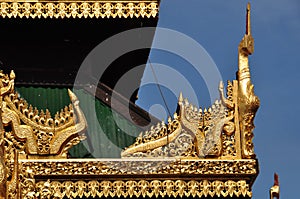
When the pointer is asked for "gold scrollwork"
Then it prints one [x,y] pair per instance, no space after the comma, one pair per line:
[143,188]
[78,9]
[37,134]
[194,132]
[131,167]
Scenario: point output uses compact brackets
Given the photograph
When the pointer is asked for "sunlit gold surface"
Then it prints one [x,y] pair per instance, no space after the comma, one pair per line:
[78,9]
[143,188]
[192,133]
[248,102]
[221,131]
[130,166]
[199,152]
[138,177]
[274,192]
[275,189]
[37,133]
[27,133]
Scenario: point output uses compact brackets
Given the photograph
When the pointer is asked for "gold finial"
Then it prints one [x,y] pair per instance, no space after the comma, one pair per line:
[275,190]
[248,102]
[248,22]
[180,98]
[12,74]
[72,96]
[247,44]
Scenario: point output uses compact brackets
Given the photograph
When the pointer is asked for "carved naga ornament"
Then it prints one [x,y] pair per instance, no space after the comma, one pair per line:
[37,134]
[192,133]
[222,131]
[26,133]
[248,102]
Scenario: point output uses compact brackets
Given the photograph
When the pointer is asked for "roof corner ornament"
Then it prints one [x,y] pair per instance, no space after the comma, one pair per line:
[248,102]
[36,134]
[275,189]
[26,133]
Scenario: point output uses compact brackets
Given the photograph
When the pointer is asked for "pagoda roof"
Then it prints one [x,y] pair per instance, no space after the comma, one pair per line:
[203,153]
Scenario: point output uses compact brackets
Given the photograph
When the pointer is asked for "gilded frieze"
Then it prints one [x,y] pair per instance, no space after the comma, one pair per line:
[135,167]
[78,9]
[141,188]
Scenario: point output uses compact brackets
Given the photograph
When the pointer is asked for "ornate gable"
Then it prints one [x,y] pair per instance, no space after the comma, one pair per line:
[198,153]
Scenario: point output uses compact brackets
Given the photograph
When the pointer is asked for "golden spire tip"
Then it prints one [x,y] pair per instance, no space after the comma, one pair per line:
[180,98]
[248,22]
[72,96]
[12,74]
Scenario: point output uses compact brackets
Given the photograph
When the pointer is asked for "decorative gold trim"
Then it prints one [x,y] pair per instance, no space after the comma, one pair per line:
[78,9]
[146,177]
[143,188]
[131,167]
[192,133]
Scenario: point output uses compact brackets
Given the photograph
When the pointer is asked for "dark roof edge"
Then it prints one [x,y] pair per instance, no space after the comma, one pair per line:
[122,105]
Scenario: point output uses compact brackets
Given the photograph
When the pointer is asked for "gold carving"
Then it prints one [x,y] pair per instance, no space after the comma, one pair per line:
[27,183]
[136,166]
[2,170]
[32,135]
[38,132]
[198,153]
[78,9]
[275,189]
[87,177]
[27,133]
[13,185]
[192,133]
[248,102]
[2,160]
[143,188]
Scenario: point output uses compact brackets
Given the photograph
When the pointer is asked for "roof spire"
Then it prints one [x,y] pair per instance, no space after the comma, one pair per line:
[246,45]
[275,189]
[248,20]
[248,102]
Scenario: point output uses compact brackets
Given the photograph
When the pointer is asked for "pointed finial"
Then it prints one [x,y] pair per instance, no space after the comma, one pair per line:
[246,46]
[180,98]
[276,180]
[72,96]
[248,20]
[12,74]
[275,189]
[175,116]
[169,120]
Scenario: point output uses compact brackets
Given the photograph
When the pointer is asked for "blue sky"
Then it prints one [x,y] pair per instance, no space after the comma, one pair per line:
[218,26]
